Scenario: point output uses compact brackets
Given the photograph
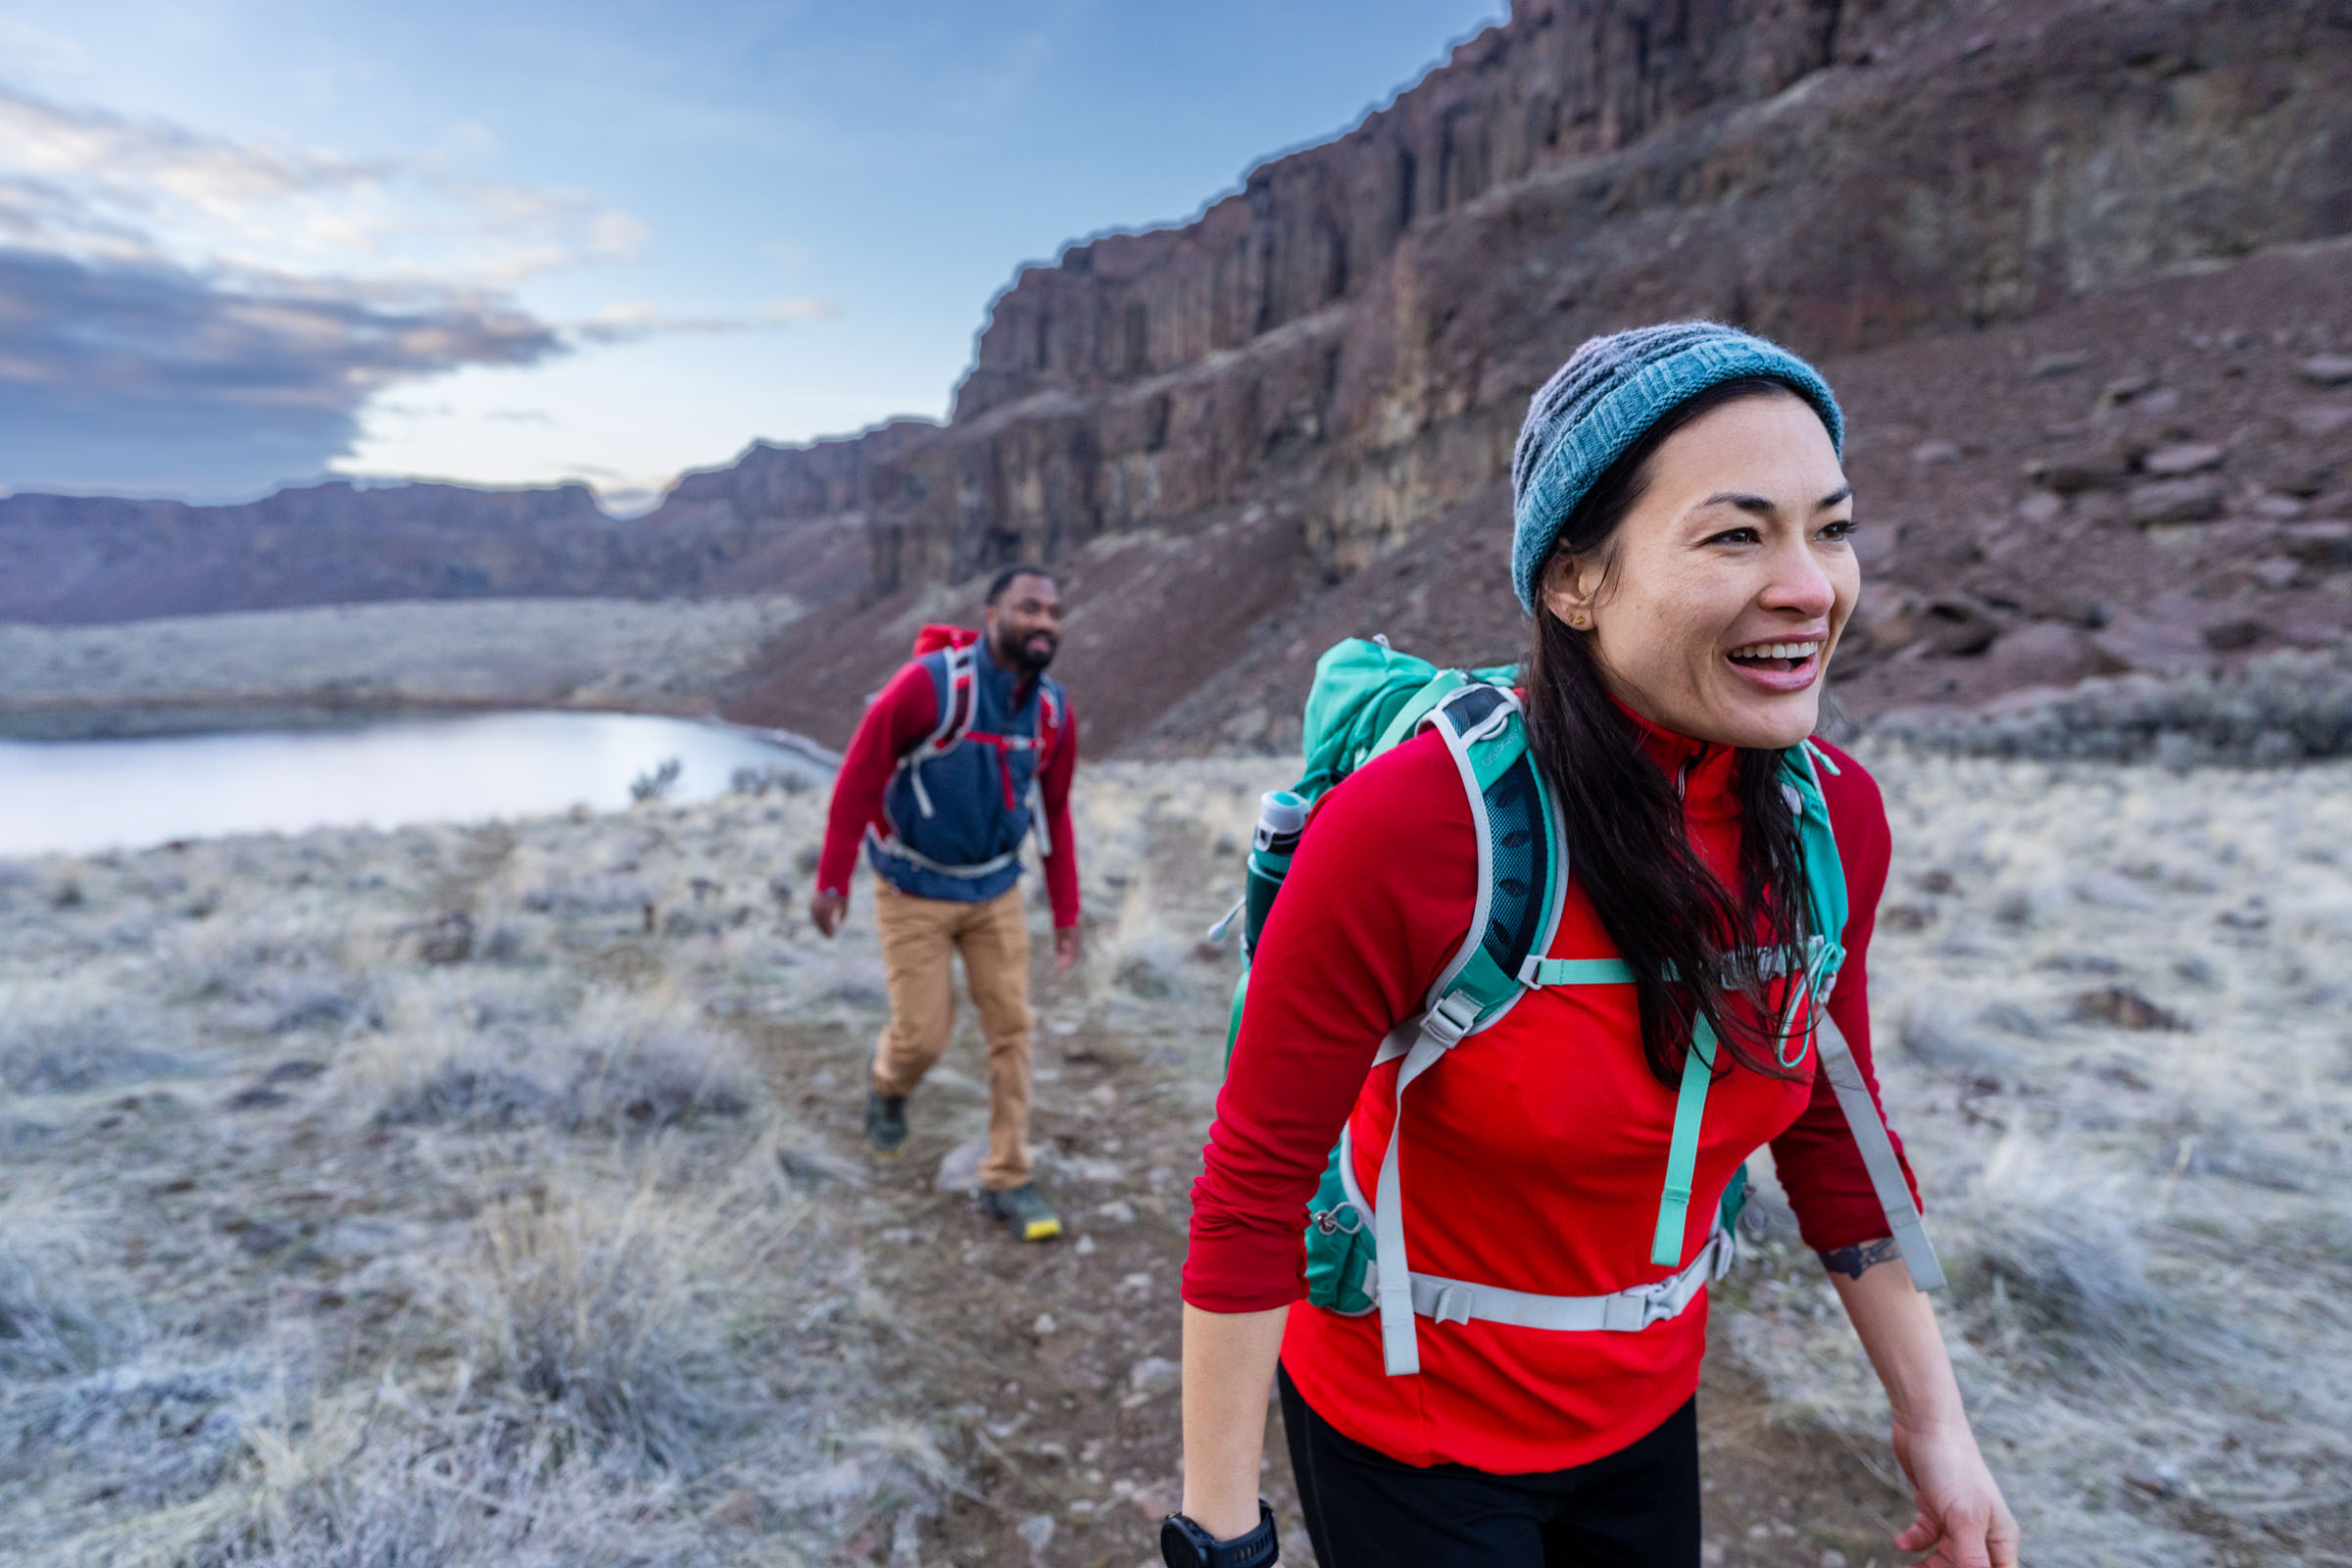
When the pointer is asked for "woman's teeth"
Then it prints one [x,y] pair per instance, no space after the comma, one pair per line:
[1798,651]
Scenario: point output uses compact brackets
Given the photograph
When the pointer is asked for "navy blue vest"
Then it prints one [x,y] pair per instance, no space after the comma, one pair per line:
[961,801]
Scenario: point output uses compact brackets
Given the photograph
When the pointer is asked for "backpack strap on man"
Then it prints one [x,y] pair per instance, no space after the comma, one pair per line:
[957,699]
[1048,735]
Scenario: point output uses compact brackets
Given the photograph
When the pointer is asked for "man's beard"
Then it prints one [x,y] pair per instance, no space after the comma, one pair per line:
[1020,657]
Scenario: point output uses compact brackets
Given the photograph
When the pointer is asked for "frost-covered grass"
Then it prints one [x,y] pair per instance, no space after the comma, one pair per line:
[428,1196]
[2110,1005]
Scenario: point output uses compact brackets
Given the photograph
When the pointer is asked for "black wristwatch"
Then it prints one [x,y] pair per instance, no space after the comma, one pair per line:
[1185,1544]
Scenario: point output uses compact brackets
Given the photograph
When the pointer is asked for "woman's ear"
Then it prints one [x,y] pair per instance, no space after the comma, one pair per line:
[1569,588]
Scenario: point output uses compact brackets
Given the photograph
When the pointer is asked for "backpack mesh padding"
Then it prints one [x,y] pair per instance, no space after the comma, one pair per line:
[1472,707]
[1521,850]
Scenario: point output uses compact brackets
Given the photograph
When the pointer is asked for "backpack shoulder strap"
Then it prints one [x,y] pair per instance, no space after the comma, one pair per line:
[1522,885]
[1051,712]
[953,679]
[1522,848]
[952,682]
[1825,885]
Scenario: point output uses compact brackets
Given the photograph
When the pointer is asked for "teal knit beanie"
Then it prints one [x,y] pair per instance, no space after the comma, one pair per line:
[1605,399]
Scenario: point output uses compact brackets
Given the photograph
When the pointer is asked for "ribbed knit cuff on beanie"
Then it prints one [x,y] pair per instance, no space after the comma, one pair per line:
[1605,399]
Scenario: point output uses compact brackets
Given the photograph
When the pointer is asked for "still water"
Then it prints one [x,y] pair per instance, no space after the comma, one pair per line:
[79,796]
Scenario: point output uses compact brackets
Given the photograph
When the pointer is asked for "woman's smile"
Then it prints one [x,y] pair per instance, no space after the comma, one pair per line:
[1780,666]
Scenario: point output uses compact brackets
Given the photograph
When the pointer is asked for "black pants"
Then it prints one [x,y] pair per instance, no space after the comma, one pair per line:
[1635,1508]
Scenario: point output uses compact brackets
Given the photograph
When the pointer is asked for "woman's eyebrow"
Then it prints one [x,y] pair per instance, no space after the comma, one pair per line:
[1845,492]
[1760,505]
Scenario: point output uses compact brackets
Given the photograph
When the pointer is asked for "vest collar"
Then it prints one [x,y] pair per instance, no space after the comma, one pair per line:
[1017,684]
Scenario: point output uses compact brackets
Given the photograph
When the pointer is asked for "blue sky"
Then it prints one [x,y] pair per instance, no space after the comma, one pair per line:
[253,241]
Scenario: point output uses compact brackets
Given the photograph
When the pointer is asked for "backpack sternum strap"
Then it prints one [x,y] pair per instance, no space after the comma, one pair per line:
[1538,973]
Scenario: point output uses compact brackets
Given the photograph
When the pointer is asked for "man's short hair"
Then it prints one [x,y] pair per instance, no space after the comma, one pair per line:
[1004,579]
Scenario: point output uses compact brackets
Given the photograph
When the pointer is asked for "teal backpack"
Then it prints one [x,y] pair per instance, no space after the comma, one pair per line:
[1366,698]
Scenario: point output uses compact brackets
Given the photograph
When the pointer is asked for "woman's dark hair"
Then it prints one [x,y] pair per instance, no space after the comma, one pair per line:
[1666,911]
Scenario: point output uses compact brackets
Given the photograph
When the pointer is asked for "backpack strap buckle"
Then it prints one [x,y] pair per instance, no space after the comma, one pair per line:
[1451,1018]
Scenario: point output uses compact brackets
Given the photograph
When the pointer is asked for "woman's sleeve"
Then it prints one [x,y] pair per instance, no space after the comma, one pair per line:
[1377,900]
[1819,1164]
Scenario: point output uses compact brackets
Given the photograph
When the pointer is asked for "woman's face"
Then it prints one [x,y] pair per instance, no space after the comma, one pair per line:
[1714,607]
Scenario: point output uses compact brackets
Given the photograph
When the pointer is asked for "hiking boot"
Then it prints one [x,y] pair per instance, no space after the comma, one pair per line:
[1025,1212]
[885,1123]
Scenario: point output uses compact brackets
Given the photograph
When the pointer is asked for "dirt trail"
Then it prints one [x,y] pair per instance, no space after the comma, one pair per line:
[1056,1363]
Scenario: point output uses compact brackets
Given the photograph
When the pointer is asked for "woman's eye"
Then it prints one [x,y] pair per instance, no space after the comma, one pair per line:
[1841,529]
[1736,536]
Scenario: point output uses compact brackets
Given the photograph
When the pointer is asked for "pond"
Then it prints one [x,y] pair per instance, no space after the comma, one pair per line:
[78,796]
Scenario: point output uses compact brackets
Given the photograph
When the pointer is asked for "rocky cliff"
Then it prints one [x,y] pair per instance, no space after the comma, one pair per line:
[1213,426]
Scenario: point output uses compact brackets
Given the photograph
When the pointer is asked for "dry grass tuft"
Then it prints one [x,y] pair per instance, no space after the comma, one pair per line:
[478,1055]
[73,1035]
[56,1318]
[2045,1245]
[611,1313]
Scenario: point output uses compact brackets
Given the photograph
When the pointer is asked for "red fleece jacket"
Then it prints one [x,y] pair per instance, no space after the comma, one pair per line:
[900,717]
[1534,1152]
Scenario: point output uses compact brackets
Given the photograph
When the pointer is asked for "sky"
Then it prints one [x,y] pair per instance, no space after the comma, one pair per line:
[255,242]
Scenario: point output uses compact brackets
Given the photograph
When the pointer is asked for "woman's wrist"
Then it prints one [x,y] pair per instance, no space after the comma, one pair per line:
[1223,1517]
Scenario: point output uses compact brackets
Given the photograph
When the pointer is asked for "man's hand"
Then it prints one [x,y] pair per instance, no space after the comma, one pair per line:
[1065,948]
[1962,1521]
[826,911]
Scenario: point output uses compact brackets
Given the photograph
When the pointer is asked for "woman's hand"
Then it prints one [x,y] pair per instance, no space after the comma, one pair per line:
[1962,1521]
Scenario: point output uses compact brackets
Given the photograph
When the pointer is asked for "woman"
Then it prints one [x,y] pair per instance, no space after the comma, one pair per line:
[1682,541]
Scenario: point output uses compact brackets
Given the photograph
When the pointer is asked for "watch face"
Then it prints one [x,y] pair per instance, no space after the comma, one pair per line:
[1177,1548]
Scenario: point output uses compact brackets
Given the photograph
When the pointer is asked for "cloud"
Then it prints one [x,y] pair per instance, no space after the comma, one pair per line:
[147,376]
[199,315]
[639,320]
[94,183]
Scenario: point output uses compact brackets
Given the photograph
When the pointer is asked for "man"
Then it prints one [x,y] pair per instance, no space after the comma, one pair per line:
[969,749]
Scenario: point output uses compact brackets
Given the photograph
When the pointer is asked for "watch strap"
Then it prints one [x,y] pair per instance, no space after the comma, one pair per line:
[1183,1544]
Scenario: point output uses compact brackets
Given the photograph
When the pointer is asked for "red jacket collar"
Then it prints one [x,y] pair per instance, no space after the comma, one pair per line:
[1702,770]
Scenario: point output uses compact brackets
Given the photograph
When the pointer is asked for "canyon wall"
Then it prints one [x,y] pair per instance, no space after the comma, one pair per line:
[1350,339]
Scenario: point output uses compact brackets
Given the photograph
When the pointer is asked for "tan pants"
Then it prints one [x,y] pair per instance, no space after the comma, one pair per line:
[919,936]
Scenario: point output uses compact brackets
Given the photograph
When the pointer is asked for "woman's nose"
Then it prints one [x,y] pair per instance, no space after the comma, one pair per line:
[1799,581]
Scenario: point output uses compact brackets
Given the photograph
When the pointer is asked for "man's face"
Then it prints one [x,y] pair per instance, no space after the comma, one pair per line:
[1024,625]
